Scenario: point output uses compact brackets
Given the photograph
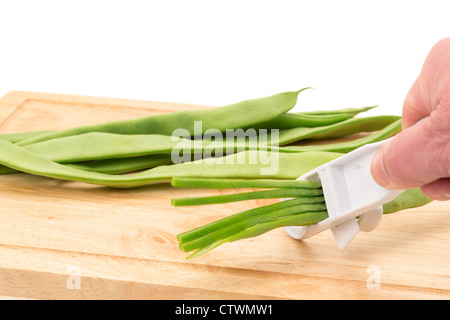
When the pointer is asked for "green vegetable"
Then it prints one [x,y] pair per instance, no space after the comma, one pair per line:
[123,165]
[411,198]
[248,223]
[291,120]
[344,147]
[16,137]
[298,219]
[115,165]
[20,159]
[241,183]
[338,130]
[266,194]
[98,146]
[351,111]
[239,115]
[129,153]
[311,119]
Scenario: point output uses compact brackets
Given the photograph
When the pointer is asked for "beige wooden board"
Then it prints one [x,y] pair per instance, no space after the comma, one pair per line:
[67,240]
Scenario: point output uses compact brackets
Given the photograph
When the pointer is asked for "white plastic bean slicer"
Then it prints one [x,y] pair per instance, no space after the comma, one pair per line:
[354,200]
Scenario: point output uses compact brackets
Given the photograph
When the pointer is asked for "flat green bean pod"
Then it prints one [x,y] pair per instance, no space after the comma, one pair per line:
[16,137]
[239,115]
[338,130]
[312,118]
[344,147]
[7,170]
[411,198]
[350,111]
[248,164]
[98,145]
[122,165]
[113,166]
[291,120]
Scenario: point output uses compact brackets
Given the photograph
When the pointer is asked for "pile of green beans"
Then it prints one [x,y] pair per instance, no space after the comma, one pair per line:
[127,153]
[120,147]
[138,152]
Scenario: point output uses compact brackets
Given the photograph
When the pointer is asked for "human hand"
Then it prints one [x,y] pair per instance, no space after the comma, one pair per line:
[419,156]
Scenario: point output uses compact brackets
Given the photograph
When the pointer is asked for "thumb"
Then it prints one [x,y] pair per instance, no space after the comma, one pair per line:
[412,158]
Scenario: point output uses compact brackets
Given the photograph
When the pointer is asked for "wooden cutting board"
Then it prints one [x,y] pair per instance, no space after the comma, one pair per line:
[67,240]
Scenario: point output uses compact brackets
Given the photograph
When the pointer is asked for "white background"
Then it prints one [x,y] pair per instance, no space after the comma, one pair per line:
[355,53]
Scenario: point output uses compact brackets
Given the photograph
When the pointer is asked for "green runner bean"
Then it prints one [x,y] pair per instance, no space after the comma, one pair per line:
[291,120]
[312,119]
[344,147]
[238,165]
[341,129]
[239,115]
[123,165]
[16,137]
[351,111]
[411,198]
[98,145]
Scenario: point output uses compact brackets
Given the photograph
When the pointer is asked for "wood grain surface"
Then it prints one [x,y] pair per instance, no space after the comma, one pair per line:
[68,240]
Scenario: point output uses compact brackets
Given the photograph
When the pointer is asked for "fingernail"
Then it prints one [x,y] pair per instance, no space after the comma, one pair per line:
[378,170]
[447,195]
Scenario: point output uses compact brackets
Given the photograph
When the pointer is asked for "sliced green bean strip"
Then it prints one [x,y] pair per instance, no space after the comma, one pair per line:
[241,183]
[251,112]
[202,231]
[384,133]
[341,129]
[255,220]
[301,219]
[253,195]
